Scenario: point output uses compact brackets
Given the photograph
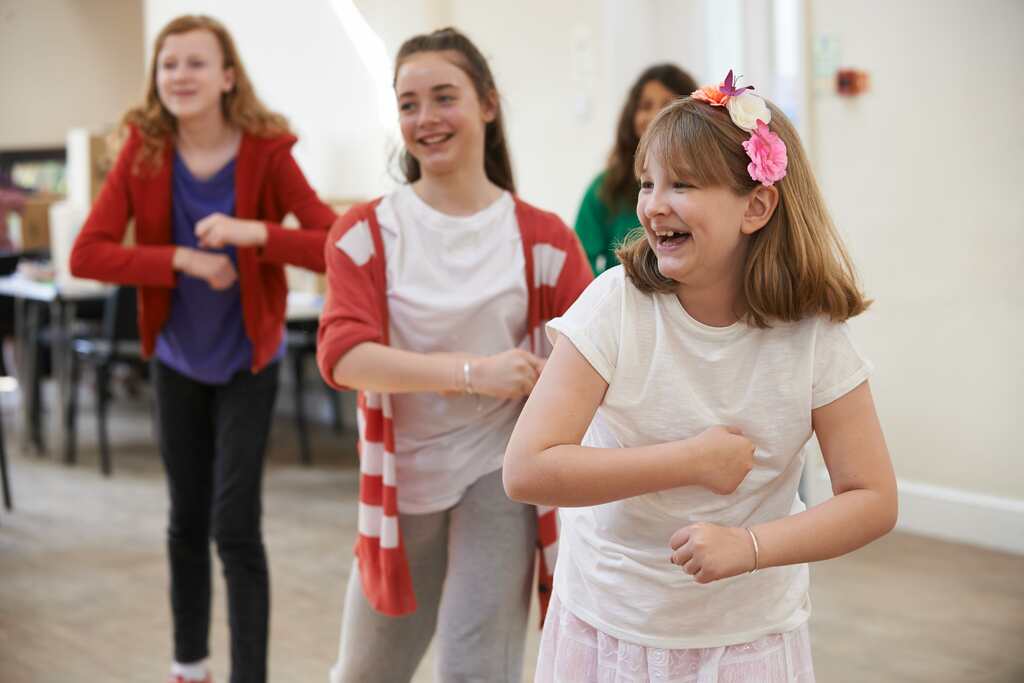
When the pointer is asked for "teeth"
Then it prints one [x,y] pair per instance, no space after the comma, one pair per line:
[668,233]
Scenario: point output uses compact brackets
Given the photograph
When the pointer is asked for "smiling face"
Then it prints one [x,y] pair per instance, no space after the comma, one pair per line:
[190,74]
[654,97]
[697,233]
[442,119]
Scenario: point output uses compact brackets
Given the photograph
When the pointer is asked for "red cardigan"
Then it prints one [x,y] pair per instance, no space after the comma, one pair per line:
[268,186]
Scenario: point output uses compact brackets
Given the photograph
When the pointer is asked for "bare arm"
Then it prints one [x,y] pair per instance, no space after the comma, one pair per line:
[375,367]
[545,463]
[863,509]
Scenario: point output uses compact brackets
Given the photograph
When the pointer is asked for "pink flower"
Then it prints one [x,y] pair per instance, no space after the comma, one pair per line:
[767,154]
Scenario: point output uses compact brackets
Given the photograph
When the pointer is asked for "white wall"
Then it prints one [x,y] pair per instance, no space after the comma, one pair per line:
[304,66]
[65,64]
[922,176]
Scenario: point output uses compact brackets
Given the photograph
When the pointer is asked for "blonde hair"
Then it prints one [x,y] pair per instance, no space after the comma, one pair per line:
[240,106]
[796,265]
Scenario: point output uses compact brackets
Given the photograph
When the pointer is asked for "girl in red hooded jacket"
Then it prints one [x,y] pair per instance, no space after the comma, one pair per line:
[207,175]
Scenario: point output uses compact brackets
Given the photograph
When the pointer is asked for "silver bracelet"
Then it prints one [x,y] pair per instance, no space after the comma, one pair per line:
[757,558]
[467,384]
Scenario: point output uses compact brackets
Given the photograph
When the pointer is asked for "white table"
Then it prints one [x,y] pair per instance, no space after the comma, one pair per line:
[303,309]
[29,298]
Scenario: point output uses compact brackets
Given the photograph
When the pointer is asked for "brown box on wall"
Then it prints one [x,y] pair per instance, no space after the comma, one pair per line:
[100,163]
[35,221]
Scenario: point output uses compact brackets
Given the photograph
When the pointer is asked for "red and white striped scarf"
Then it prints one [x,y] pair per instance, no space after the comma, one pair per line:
[355,311]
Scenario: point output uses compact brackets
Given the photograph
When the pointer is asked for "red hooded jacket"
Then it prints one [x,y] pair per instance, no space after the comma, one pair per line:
[268,186]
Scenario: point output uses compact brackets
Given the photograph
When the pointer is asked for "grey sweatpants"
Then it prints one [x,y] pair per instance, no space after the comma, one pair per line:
[472,567]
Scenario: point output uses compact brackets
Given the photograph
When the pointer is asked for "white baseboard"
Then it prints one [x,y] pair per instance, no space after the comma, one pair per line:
[955,515]
[950,514]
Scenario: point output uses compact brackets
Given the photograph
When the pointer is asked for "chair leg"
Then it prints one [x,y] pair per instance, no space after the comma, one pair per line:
[305,454]
[71,412]
[102,403]
[3,469]
[334,401]
[34,403]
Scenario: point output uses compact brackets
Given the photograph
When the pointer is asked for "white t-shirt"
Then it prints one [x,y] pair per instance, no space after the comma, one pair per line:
[455,283]
[669,378]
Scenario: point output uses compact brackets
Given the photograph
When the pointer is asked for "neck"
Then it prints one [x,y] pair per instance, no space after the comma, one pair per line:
[204,131]
[462,192]
[717,304]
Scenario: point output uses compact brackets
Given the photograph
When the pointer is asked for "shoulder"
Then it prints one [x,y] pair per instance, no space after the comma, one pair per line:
[810,336]
[826,331]
[130,139]
[614,280]
[351,234]
[127,141]
[535,214]
[269,145]
[593,193]
[131,136]
[594,321]
[542,225]
[594,188]
[609,289]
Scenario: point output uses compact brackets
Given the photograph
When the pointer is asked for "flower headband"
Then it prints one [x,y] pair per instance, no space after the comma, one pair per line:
[748,111]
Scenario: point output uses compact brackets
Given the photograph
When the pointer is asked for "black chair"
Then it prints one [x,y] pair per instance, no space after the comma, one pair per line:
[117,344]
[87,321]
[301,345]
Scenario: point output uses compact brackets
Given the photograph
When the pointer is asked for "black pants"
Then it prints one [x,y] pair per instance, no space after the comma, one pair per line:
[213,440]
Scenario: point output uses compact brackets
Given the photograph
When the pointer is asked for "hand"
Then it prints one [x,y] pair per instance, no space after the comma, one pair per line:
[724,457]
[217,231]
[217,269]
[709,552]
[509,374]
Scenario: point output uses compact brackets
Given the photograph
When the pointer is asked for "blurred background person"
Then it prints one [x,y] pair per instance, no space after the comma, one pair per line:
[608,210]
[207,175]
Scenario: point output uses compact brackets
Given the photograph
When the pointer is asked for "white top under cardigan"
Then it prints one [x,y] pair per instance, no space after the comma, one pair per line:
[669,378]
[454,283]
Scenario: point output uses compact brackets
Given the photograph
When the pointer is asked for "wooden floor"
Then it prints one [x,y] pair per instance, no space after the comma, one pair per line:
[83,579]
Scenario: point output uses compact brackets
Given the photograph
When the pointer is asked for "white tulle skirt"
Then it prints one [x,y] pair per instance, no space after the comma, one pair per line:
[572,651]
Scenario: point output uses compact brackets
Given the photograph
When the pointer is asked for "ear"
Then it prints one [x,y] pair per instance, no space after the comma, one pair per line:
[761,205]
[489,107]
[229,79]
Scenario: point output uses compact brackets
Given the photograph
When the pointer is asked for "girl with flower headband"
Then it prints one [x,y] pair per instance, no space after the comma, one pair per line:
[671,421]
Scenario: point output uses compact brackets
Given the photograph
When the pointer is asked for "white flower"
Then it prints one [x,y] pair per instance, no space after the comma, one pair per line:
[746,109]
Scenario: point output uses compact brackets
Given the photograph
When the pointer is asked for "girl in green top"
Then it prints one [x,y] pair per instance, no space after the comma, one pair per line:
[608,211]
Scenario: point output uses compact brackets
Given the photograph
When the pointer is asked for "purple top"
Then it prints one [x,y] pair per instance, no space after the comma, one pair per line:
[204,336]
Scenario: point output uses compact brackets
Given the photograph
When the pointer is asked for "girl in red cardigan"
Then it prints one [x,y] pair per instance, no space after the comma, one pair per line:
[437,293]
[207,174]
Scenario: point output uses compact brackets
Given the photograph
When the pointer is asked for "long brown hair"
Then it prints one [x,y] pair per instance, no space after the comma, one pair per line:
[619,189]
[240,106]
[796,265]
[497,160]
